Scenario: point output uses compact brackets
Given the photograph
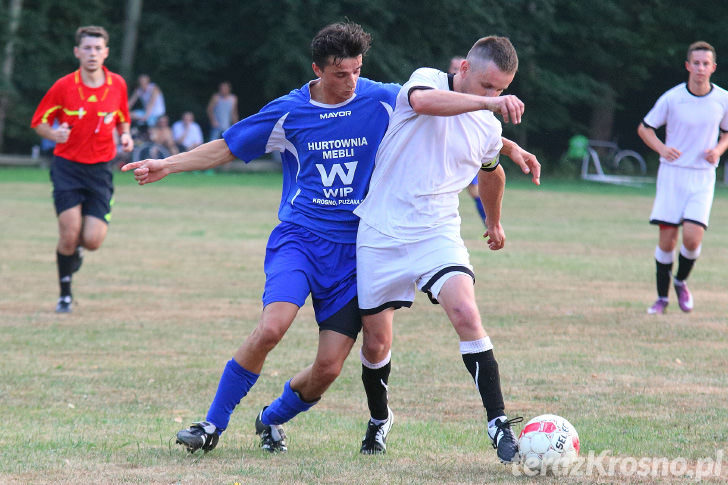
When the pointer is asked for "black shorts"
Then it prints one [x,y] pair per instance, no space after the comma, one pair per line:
[346,321]
[90,185]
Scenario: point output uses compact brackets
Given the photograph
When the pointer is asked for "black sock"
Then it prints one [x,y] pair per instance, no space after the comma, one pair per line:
[65,269]
[484,369]
[375,384]
[685,265]
[664,273]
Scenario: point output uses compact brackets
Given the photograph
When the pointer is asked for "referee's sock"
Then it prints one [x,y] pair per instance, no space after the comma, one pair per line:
[65,270]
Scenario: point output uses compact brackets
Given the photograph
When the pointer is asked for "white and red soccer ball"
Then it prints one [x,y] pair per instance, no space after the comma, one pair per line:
[548,442]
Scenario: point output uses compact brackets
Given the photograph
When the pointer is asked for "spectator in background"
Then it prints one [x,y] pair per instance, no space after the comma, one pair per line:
[161,134]
[187,133]
[455,64]
[454,68]
[151,99]
[222,110]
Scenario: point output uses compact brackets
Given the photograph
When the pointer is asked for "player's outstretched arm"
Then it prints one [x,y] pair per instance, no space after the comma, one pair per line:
[438,102]
[491,186]
[209,155]
[527,161]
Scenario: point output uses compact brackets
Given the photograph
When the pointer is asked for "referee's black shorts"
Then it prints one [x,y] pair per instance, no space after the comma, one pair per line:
[90,185]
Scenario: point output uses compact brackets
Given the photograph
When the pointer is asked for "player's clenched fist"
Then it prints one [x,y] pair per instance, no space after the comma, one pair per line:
[495,236]
[510,108]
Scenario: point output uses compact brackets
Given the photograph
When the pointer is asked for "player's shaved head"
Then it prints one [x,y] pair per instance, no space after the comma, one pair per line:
[499,50]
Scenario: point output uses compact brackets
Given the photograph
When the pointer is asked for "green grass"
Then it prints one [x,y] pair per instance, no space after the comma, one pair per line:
[96,396]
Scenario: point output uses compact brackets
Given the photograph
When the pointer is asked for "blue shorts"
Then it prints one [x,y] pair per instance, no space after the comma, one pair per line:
[90,185]
[299,263]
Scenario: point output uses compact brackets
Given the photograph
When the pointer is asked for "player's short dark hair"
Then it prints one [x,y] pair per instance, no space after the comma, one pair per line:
[340,41]
[496,49]
[701,46]
[91,31]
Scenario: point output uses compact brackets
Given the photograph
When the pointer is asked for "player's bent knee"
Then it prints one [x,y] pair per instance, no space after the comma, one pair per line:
[267,335]
[93,244]
[376,343]
[327,372]
[464,315]
[466,322]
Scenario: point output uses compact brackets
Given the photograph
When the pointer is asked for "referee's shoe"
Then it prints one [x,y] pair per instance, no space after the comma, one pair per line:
[65,304]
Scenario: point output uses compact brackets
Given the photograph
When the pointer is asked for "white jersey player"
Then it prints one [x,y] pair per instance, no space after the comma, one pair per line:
[695,116]
[442,132]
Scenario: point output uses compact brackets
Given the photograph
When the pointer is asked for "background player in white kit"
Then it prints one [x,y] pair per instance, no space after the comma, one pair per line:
[693,114]
[442,132]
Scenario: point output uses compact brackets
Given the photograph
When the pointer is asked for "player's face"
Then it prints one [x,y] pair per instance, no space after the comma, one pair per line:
[338,81]
[91,53]
[700,66]
[488,81]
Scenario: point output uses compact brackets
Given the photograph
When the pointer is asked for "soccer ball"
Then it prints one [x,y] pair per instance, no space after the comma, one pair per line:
[548,442]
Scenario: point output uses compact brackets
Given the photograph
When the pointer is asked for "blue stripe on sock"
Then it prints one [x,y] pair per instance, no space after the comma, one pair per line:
[234,385]
[285,407]
[479,207]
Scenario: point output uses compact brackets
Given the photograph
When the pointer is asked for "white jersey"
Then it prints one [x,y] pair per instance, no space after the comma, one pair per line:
[692,123]
[424,162]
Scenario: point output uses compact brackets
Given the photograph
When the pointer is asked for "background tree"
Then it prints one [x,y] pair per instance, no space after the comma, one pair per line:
[132,13]
[6,76]
[585,67]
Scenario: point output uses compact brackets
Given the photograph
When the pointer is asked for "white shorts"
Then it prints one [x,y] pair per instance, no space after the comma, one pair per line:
[388,269]
[683,194]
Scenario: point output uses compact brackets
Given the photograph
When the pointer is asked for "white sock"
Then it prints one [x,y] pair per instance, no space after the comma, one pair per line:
[491,425]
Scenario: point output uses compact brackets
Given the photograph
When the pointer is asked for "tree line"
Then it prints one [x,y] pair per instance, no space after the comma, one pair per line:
[594,68]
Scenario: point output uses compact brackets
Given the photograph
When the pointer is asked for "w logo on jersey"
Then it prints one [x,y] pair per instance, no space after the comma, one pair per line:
[347,177]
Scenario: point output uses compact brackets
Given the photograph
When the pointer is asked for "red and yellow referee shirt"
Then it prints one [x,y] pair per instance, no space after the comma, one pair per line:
[91,113]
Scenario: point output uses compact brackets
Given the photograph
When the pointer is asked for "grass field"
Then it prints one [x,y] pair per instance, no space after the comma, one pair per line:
[97,396]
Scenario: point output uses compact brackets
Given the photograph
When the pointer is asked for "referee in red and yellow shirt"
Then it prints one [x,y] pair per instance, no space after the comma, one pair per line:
[88,105]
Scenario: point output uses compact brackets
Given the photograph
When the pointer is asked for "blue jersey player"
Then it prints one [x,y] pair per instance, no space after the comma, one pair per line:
[328,133]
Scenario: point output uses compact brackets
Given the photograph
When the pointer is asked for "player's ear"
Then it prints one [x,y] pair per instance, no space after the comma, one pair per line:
[464,68]
[464,64]
[316,69]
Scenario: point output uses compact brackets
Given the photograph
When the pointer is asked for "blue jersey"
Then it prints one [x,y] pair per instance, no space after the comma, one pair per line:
[327,153]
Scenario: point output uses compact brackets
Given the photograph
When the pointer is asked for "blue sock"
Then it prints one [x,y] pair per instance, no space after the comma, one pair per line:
[479,206]
[234,385]
[285,407]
